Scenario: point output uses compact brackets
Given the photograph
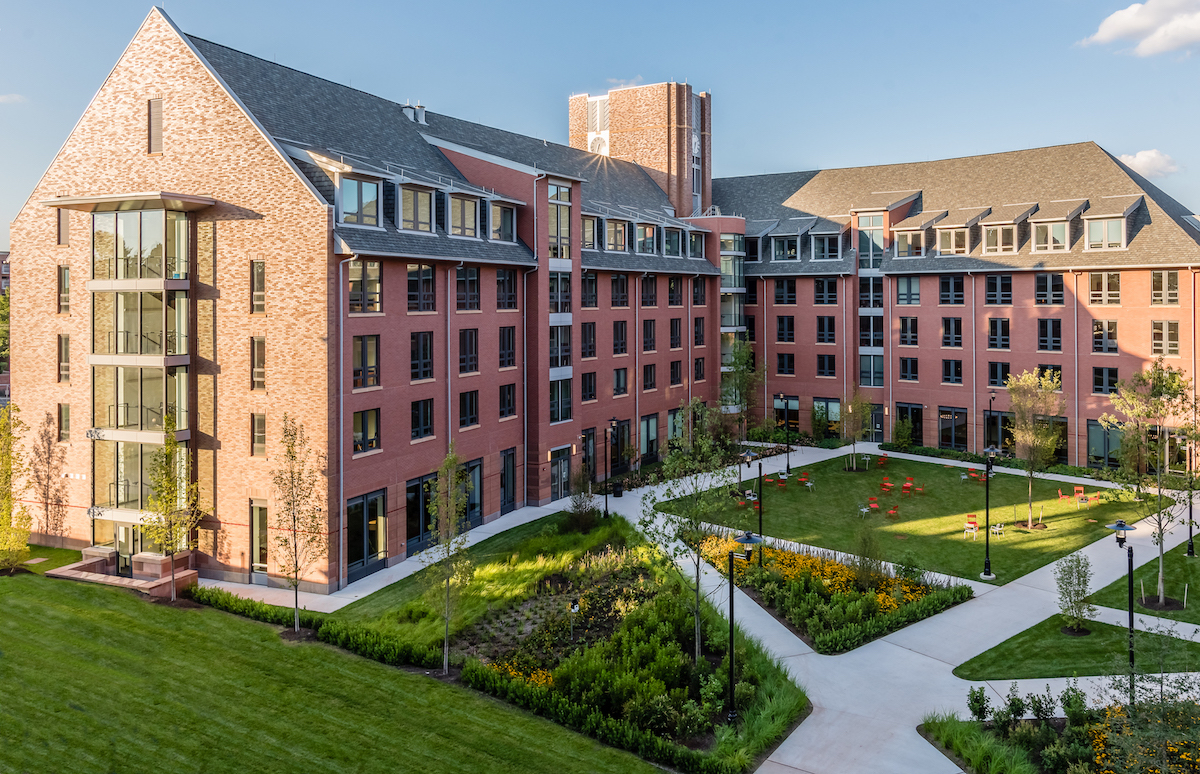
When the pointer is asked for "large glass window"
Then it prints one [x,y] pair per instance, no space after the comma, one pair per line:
[953,241]
[1104,287]
[672,242]
[416,209]
[467,282]
[908,291]
[914,413]
[870,331]
[1048,237]
[1104,336]
[422,288]
[649,291]
[952,331]
[419,524]
[620,290]
[998,337]
[133,398]
[506,289]
[589,291]
[825,247]
[422,418]
[360,202]
[1164,288]
[131,323]
[950,287]
[468,408]
[1164,337]
[1104,445]
[870,292]
[999,290]
[952,428]
[508,346]
[463,217]
[870,370]
[645,238]
[560,400]
[615,232]
[1048,289]
[468,350]
[998,430]
[366,534]
[786,248]
[870,241]
[121,474]
[503,220]
[560,345]
[908,331]
[1000,239]
[910,244]
[422,355]
[150,244]
[366,430]
[559,221]
[366,286]
[1106,234]
[366,361]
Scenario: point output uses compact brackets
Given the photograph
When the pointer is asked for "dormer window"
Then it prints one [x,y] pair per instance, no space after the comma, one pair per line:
[417,209]
[360,202]
[645,238]
[463,217]
[786,248]
[616,236]
[825,248]
[1000,239]
[953,241]
[696,245]
[672,242]
[589,234]
[503,223]
[910,244]
[1107,234]
[1049,237]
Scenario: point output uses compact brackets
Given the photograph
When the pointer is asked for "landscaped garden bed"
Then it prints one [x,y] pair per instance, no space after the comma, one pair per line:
[1181,582]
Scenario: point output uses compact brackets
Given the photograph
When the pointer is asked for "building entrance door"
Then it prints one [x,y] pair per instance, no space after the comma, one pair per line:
[876,423]
[258,542]
[560,474]
[127,541]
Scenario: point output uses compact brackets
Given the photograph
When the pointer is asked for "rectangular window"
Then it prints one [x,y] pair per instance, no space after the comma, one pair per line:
[619,346]
[648,338]
[698,369]
[468,350]
[676,372]
[870,292]
[1104,287]
[870,370]
[908,291]
[1164,337]
[675,291]
[908,369]
[953,241]
[699,291]
[676,333]
[1000,239]
[950,288]
[908,331]
[1049,335]
[1164,288]
[1106,234]
[508,400]
[587,240]
[508,346]
[366,430]
[914,413]
[645,238]
[1103,445]
[952,428]
[951,372]
[154,133]
[422,355]
[870,331]
[785,364]
[64,289]
[751,291]
[1104,336]
[785,328]
[620,290]
[560,346]
[998,333]
[506,288]
[698,332]
[468,288]
[696,245]
[785,248]
[560,292]
[672,242]
[360,202]
[587,390]
[998,374]
[559,221]
[1104,381]
[999,290]
[587,343]
[258,435]
[825,248]
[503,223]
[910,244]
[64,226]
[648,377]
[463,218]
[1053,371]
[468,408]
[649,290]
[615,233]
[64,423]
[620,381]
[422,288]
[825,291]
[589,292]
[1049,237]
[951,331]
[826,365]
[422,418]
[258,287]
[366,361]
[1048,289]
[366,286]
[826,327]
[258,363]
[416,209]
[870,241]
[785,292]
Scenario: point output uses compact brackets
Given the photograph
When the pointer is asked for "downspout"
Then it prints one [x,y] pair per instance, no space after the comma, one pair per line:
[887,352]
[1075,325]
[525,348]
[341,443]
[845,335]
[637,356]
[974,362]
[691,366]
[450,290]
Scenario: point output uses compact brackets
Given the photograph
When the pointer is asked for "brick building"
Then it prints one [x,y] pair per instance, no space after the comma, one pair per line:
[222,240]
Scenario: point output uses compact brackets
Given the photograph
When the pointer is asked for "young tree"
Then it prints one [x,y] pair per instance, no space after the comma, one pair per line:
[14,519]
[583,502]
[820,422]
[1073,573]
[1145,402]
[695,480]
[741,382]
[173,502]
[448,564]
[1035,400]
[46,459]
[856,421]
[300,524]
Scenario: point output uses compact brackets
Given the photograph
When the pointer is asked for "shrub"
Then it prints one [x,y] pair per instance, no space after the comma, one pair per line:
[743,695]
[1073,574]
[1074,705]
[902,433]
[981,751]
[252,608]
[1041,705]
[1015,704]
[693,721]
[978,704]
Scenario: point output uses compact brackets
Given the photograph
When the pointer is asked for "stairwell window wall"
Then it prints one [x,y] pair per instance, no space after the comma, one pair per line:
[559,220]
[416,209]
[360,202]
[870,241]
[1050,237]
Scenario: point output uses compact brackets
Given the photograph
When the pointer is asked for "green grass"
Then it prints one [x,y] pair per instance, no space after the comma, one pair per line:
[1180,571]
[932,523]
[55,557]
[1044,651]
[99,680]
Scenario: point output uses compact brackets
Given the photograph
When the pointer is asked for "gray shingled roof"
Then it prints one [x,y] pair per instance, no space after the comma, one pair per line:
[1061,210]
[614,260]
[1009,213]
[387,242]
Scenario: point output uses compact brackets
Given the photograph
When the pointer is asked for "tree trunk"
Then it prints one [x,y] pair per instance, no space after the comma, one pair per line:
[446,643]
[697,611]
[1029,477]
[1162,528]
[296,590]
[171,557]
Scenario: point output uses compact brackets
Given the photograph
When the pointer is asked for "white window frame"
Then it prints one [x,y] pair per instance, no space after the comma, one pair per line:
[682,248]
[497,210]
[432,210]
[623,226]
[1050,248]
[474,210]
[898,235]
[596,227]
[638,239]
[341,209]
[954,251]
[1087,241]
[999,229]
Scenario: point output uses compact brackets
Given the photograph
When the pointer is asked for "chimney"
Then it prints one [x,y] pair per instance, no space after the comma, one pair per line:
[409,111]
[420,110]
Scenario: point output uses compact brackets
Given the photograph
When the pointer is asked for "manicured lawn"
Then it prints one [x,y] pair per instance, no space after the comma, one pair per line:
[1180,572]
[98,680]
[1044,651]
[931,524]
[55,557]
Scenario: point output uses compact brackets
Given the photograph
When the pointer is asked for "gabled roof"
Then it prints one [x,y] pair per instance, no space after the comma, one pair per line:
[1065,209]
[920,221]
[1009,213]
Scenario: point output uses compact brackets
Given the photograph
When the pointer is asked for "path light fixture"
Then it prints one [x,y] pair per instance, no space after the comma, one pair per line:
[1121,528]
[787,429]
[986,575]
[574,611]
[747,540]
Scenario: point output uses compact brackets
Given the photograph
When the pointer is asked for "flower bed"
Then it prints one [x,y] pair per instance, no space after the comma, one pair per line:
[834,606]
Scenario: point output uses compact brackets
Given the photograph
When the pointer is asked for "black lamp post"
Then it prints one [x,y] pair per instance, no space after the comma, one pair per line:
[986,575]
[787,430]
[1121,528]
[1191,552]
[612,424]
[760,510]
[748,540]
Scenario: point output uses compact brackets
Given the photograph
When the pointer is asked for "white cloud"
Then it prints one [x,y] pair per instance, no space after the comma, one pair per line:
[618,83]
[9,98]
[1157,26]
[1151,163]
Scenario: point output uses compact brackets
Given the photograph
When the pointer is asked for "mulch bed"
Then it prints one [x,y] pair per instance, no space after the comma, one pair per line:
[16,571]
[179,603]
[1151,603]
[436,674]
[1073,632]
[289,634]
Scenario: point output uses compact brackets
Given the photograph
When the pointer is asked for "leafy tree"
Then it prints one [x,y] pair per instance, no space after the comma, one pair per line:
[46,460]
[1073,573]
[14,519]
[1035,399]
[448,564]
[856,421]
[1144,403]
[301,525]
[583,502]
[820,422]
[741,382]
[902,434]
[697,484]
[4,316]
[173,502]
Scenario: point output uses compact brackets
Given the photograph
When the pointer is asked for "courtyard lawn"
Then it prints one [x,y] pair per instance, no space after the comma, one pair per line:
[1044,651]
[1180,572]
[55,557]
[97,679]
[929,529]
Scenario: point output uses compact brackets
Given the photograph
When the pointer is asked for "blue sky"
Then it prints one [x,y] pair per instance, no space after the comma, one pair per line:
[796,85]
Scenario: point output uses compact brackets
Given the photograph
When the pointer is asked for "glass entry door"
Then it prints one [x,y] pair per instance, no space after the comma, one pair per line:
[876,434]
[259,547]
[560,474]
[128,541]
[366,542]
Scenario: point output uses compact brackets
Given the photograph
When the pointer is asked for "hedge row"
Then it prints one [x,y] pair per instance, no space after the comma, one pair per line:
[1005,462]
[253,609]
[852,635]
[614,732]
